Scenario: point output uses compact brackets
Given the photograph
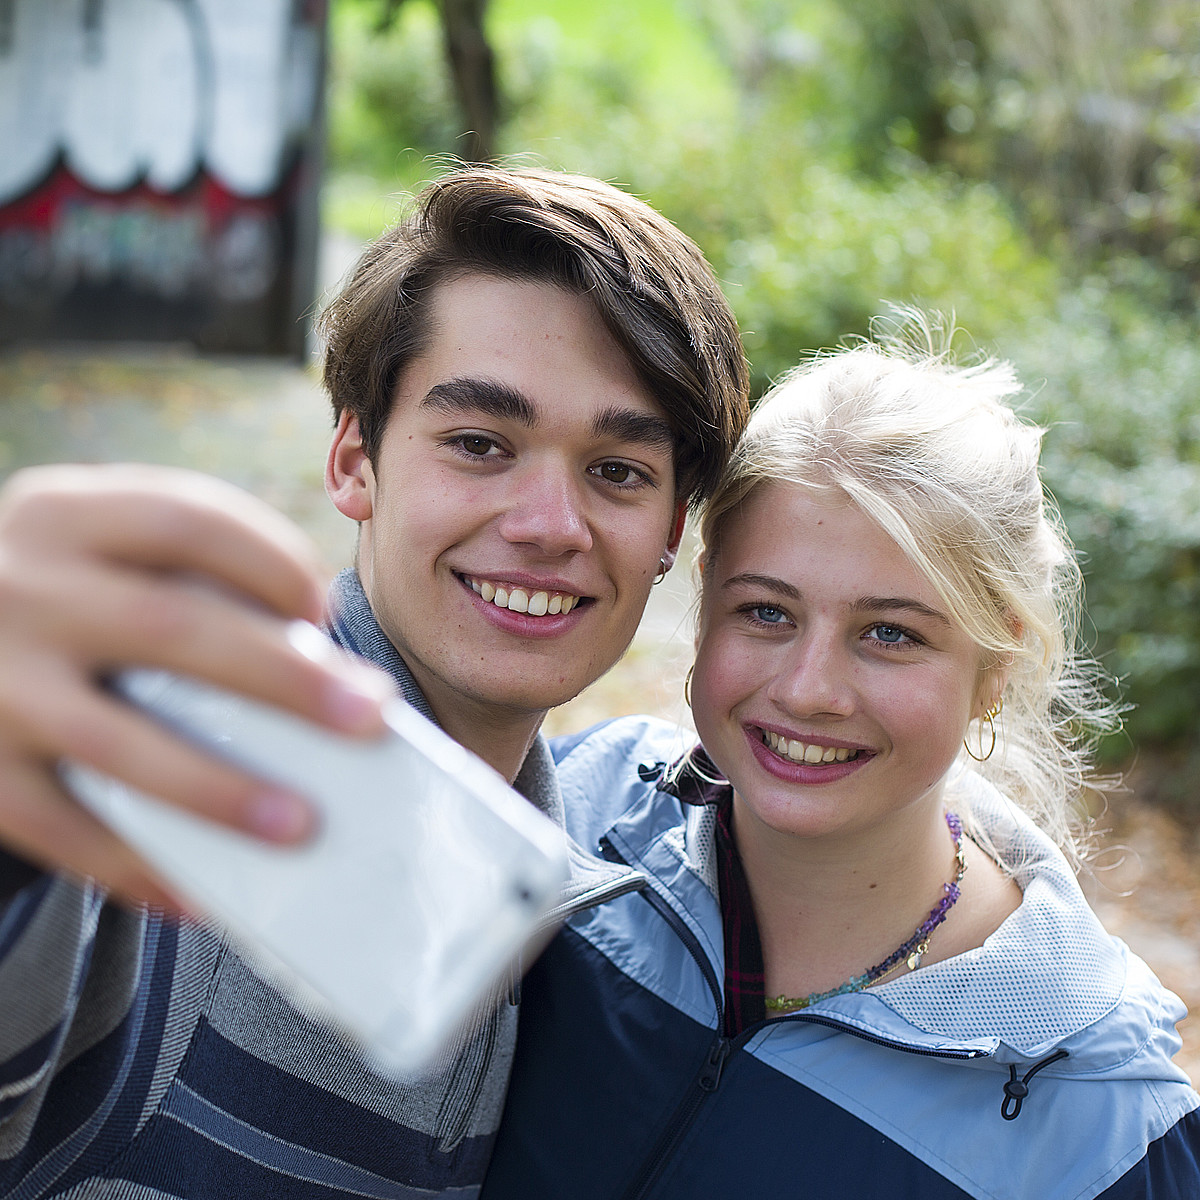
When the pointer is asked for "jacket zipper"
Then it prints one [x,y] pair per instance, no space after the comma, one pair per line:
[601,894]
[708,1078]
[842,1027]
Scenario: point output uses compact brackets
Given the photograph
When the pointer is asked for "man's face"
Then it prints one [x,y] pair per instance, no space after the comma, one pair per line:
[519,507]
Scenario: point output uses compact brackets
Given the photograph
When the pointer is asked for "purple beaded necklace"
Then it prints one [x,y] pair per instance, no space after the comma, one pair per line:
[912,951]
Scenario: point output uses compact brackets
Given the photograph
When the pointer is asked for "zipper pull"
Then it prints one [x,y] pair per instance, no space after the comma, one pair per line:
[515,973]
[710,1077]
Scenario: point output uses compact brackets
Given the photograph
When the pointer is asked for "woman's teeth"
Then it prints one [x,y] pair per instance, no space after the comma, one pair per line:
[536,604]
[807,752]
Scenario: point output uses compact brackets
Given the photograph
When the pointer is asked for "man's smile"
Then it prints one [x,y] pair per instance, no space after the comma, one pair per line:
[535,603]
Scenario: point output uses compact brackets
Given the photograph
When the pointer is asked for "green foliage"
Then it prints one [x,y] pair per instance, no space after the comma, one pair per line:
[1085,111]
[389,98]
[1122,456]
[815,254]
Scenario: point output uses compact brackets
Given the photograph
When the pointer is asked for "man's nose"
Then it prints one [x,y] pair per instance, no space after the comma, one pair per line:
[546,507]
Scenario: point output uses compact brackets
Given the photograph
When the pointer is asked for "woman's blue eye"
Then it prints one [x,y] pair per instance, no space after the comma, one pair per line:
[888,633]
[769,614]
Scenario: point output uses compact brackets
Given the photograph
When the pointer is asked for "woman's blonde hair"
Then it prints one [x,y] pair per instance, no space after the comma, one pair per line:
[934,454]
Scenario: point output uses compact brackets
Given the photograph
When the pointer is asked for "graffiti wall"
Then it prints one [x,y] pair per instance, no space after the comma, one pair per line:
[159,165]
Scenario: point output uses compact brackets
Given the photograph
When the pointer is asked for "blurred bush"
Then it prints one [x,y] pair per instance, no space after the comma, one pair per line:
[1087,112]
[1117,387]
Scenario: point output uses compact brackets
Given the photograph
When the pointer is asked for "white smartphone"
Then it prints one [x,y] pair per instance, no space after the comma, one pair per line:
[427,876]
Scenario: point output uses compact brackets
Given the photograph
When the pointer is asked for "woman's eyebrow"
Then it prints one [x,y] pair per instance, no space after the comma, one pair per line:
[469,394]
[899,604]
[780,587]
[768,583]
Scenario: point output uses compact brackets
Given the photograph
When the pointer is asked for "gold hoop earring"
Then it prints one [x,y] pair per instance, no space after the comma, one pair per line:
[687,686]
[990,717]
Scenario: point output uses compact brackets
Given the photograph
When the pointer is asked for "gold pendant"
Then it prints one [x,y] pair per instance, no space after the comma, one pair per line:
[914,959]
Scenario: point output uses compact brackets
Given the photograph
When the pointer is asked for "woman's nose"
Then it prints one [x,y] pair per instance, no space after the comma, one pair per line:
[814,678]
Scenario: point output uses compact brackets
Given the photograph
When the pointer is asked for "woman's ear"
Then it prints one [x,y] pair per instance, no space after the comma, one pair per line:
[994,678]
[349,477]
[991,687]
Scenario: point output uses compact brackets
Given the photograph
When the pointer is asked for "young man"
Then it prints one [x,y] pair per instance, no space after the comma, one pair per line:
[532,376]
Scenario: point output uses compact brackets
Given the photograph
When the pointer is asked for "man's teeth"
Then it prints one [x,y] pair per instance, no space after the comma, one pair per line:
[807,752]
[536,604]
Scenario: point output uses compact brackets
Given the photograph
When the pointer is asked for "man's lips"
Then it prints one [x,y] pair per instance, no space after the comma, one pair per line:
[536,602]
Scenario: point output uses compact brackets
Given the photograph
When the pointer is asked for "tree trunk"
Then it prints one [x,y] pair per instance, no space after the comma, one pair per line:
[473,74]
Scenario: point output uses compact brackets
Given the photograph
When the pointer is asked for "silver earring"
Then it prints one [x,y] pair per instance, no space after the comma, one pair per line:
[663,568]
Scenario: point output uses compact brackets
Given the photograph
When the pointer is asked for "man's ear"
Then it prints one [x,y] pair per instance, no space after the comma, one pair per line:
[676,535]
[349,477]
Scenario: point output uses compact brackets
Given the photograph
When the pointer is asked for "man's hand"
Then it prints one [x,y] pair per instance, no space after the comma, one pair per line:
[103,567]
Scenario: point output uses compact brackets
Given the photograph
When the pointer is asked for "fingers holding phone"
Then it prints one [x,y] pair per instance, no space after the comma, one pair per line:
[102,567]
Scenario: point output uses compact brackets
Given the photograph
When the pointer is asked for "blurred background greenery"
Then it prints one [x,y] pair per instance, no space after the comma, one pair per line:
[1029,166]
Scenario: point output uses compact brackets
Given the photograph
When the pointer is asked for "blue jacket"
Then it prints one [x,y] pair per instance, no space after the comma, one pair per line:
[1036,1067]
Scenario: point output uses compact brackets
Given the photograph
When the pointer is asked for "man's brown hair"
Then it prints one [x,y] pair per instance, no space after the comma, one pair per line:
[650,285]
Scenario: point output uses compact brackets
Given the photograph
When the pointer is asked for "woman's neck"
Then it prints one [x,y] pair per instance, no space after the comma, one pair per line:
[830,907]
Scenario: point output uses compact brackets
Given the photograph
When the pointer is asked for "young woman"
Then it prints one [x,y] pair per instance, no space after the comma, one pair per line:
[860,964]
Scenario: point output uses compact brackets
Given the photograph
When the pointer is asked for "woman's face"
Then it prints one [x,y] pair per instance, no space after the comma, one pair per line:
[831,686]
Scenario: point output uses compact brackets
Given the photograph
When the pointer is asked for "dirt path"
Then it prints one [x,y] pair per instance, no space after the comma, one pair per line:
[1144,883]
[265,426]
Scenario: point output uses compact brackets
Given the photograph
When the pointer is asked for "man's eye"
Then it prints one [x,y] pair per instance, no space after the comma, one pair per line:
[619,474]
[477,444]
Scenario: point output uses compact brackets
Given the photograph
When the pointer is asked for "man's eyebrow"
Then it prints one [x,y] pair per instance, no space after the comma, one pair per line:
[628,425]
[469,394]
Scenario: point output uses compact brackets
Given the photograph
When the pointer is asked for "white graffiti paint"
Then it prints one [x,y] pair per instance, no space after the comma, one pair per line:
[132,90]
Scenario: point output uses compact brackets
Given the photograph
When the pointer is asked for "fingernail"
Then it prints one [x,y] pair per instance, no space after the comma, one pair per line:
[280,817]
